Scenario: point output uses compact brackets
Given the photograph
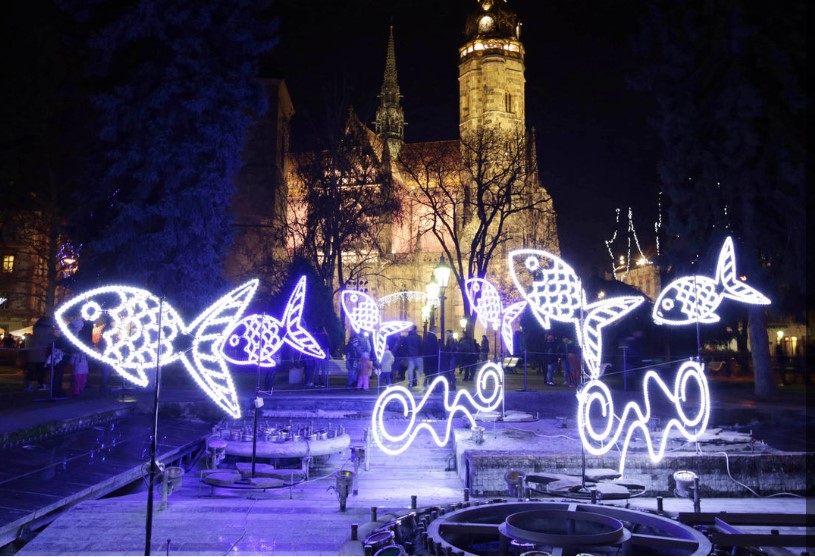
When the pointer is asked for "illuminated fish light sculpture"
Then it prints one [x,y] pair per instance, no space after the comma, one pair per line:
[695,299]
[595,405]
[489,382]
[256,338]
[365,316]
[555,293]
[486,302]
[145,332]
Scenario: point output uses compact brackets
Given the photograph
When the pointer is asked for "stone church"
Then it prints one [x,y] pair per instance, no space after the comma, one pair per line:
[470,200]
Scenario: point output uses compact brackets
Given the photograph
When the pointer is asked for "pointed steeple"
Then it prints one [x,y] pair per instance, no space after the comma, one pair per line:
[390,119]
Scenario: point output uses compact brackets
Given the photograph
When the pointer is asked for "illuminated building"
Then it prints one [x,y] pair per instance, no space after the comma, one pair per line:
[491,101]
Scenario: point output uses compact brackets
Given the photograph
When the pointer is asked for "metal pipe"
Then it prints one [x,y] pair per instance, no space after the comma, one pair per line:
[148,530]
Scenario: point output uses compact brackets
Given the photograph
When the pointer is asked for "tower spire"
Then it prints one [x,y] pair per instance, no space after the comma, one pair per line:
[390,119]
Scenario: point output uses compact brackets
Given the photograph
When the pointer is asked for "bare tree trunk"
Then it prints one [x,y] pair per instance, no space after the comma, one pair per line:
[765,387]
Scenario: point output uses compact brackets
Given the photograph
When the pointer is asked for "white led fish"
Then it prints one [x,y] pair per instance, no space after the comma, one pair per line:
[365,315]
[486,302]
[130,342]
[554,292]
[256,338]
[696,298]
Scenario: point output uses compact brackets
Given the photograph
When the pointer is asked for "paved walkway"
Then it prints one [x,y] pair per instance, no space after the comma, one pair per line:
[306,520]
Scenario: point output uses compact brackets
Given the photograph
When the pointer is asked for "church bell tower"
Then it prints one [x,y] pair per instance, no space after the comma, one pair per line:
[491,71]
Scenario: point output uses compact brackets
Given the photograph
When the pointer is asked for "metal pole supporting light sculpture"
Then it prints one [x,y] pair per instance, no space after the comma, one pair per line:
[489,382]
[146,332]
[256,338]
[365,315]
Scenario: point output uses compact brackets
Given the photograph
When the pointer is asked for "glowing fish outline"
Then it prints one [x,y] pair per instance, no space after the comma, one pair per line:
[486,302]
[555,293]
[364,313]
[262,336]
[130,344]
[697,297]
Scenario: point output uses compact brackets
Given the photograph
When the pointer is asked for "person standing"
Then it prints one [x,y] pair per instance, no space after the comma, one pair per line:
[467,355]
[36,352]
[430,350]
[563,353]
[78,361]
[550,359]
[386,365]
[484,348]
[352,354]
[59,360]
[413,347]
[324,342]
[448,359]
[365,369]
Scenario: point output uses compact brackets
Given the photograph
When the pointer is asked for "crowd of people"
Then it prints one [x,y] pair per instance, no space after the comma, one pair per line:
[410,357]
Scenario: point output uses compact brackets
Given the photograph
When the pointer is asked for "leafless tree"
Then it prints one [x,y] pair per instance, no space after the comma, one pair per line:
[481,197]
[341,203]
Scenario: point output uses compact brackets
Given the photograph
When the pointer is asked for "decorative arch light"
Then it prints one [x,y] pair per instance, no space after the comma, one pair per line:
[489,382]
[405,296]
[365,314]
[256,338]
[144,331]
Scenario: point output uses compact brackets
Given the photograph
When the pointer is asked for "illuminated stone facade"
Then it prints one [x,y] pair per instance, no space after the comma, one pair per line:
[491,82]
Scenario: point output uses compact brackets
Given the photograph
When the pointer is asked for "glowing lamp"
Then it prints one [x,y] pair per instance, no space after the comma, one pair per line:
[684,483]
[432,290]
[442,273]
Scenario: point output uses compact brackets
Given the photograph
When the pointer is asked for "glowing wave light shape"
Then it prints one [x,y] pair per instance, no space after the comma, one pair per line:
[133,341]
[486,302]
[555,293]
[256,338]
[489,382]
[596,405]
[695,299]
[365,315]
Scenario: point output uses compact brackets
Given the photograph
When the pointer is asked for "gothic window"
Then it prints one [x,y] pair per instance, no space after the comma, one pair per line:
[42,267]
[465,104]
[508,102]
[8,264]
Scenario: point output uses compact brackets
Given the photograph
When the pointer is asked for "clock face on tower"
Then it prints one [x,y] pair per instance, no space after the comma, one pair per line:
[486,24]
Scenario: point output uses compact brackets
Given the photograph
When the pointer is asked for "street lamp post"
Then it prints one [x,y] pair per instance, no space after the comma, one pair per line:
[432,295]
[442,276]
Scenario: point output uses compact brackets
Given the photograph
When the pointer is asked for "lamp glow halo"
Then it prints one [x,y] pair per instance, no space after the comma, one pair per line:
[489,384]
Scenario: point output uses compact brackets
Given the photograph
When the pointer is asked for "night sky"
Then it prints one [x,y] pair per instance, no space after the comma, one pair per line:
[595,150]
